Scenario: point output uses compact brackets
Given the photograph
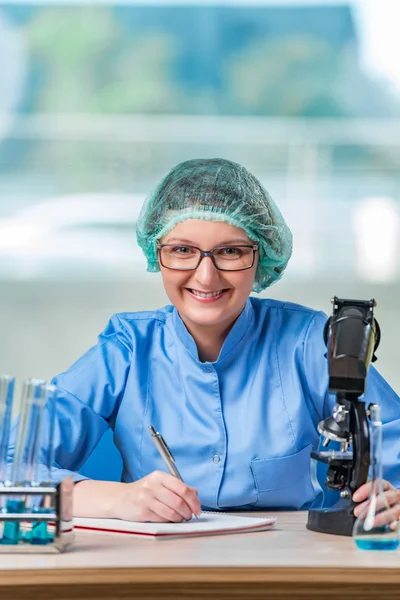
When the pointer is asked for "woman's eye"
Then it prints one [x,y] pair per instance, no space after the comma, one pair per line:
[230,252]
[181,250]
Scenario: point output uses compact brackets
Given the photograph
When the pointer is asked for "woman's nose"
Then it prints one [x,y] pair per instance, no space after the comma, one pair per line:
[206,272]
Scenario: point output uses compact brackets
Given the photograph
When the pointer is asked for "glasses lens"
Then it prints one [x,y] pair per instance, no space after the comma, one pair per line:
[233,258]
[227,258]
[179,257]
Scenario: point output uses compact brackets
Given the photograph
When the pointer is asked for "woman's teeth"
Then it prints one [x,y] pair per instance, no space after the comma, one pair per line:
[206,294]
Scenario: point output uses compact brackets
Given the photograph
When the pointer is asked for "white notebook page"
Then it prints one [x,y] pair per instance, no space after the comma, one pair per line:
[209,523]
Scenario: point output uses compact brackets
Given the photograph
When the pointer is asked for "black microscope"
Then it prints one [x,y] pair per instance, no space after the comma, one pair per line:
[352,335]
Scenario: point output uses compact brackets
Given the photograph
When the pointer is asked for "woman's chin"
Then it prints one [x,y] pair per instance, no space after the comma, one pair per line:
[213,317]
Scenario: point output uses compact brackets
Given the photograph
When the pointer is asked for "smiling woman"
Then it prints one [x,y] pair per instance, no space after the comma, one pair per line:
[236,384]
[214,290]
[199,208]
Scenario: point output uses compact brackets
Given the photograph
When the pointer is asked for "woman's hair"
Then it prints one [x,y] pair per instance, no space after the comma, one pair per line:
[217,189]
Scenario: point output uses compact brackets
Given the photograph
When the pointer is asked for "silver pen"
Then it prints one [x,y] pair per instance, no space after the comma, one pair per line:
[165,454]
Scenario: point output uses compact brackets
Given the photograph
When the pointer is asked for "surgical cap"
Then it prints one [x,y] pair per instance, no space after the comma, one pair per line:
[217,190]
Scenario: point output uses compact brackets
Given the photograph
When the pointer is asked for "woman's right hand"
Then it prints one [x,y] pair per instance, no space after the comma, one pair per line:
[158,497]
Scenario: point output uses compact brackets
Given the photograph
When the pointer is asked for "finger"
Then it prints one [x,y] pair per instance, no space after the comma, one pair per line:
[165,513]
[386,511]
[359,509]
[174,502]
[391,496]
[386,485]
[194,500]
[386,500]
[386,517]
[152,517]
[186,492]
[362,492]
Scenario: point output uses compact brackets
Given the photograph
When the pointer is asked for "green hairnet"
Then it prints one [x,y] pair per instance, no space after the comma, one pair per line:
[216,189]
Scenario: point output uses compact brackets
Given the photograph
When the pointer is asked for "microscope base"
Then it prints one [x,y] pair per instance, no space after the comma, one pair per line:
[338,519]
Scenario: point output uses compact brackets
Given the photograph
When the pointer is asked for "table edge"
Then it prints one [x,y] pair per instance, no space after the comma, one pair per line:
[202,575]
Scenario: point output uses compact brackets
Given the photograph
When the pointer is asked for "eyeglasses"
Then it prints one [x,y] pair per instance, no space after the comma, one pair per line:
[224,258]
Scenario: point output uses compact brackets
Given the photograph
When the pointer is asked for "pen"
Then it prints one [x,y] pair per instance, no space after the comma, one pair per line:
[165,454]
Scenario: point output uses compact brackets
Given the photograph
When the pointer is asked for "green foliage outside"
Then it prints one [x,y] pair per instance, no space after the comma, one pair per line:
[88,62]
[85,60]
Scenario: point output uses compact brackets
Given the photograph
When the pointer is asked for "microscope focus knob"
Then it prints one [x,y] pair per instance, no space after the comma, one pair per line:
[339,413]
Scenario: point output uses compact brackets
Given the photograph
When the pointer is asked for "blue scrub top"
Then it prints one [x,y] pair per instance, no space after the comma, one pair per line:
[241,428]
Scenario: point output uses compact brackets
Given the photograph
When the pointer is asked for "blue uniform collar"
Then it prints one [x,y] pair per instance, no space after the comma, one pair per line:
[238,330]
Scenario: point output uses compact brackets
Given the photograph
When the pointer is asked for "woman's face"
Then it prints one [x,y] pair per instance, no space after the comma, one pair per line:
[184,287]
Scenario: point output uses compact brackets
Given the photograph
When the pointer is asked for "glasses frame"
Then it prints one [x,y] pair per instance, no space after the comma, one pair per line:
[207,253]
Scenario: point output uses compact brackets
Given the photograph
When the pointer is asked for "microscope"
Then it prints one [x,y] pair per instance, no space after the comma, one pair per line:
[351,335]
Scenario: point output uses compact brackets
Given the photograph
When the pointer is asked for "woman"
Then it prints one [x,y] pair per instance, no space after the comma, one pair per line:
[236,385]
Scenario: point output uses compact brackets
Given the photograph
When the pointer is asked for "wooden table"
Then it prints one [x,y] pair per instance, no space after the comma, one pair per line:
[289,562]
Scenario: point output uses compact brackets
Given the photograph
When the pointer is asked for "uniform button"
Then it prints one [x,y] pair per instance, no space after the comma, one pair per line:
[216,459]
[208,369]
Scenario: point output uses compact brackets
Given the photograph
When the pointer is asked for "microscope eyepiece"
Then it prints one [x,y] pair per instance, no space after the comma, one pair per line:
[352,335]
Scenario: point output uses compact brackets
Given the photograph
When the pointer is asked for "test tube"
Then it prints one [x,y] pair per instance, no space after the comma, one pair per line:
[25,463]
[40,533]
[6,401]
[24,467]
[51,401]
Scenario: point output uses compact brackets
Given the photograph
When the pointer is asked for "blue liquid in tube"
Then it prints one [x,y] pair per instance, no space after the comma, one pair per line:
[376,544]
[12,529]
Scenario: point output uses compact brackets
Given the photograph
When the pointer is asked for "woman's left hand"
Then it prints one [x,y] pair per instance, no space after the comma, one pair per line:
[392,496]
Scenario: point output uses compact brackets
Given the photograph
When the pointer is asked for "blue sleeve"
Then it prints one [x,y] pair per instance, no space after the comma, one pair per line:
[88,398]
[316,367]
[377,391]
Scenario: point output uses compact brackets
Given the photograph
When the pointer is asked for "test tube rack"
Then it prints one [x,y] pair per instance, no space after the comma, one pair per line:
[57,518]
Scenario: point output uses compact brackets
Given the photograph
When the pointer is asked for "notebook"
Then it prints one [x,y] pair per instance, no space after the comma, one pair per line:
[209,523]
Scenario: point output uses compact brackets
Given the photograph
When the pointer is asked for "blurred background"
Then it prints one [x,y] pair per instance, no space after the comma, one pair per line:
[99,99]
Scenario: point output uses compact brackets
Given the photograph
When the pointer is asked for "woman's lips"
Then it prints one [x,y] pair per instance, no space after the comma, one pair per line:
[207,299]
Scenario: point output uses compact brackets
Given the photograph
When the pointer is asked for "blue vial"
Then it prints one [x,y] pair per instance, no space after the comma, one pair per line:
[12,529]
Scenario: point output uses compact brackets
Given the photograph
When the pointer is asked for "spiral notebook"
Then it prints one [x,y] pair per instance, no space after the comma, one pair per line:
[209,523]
